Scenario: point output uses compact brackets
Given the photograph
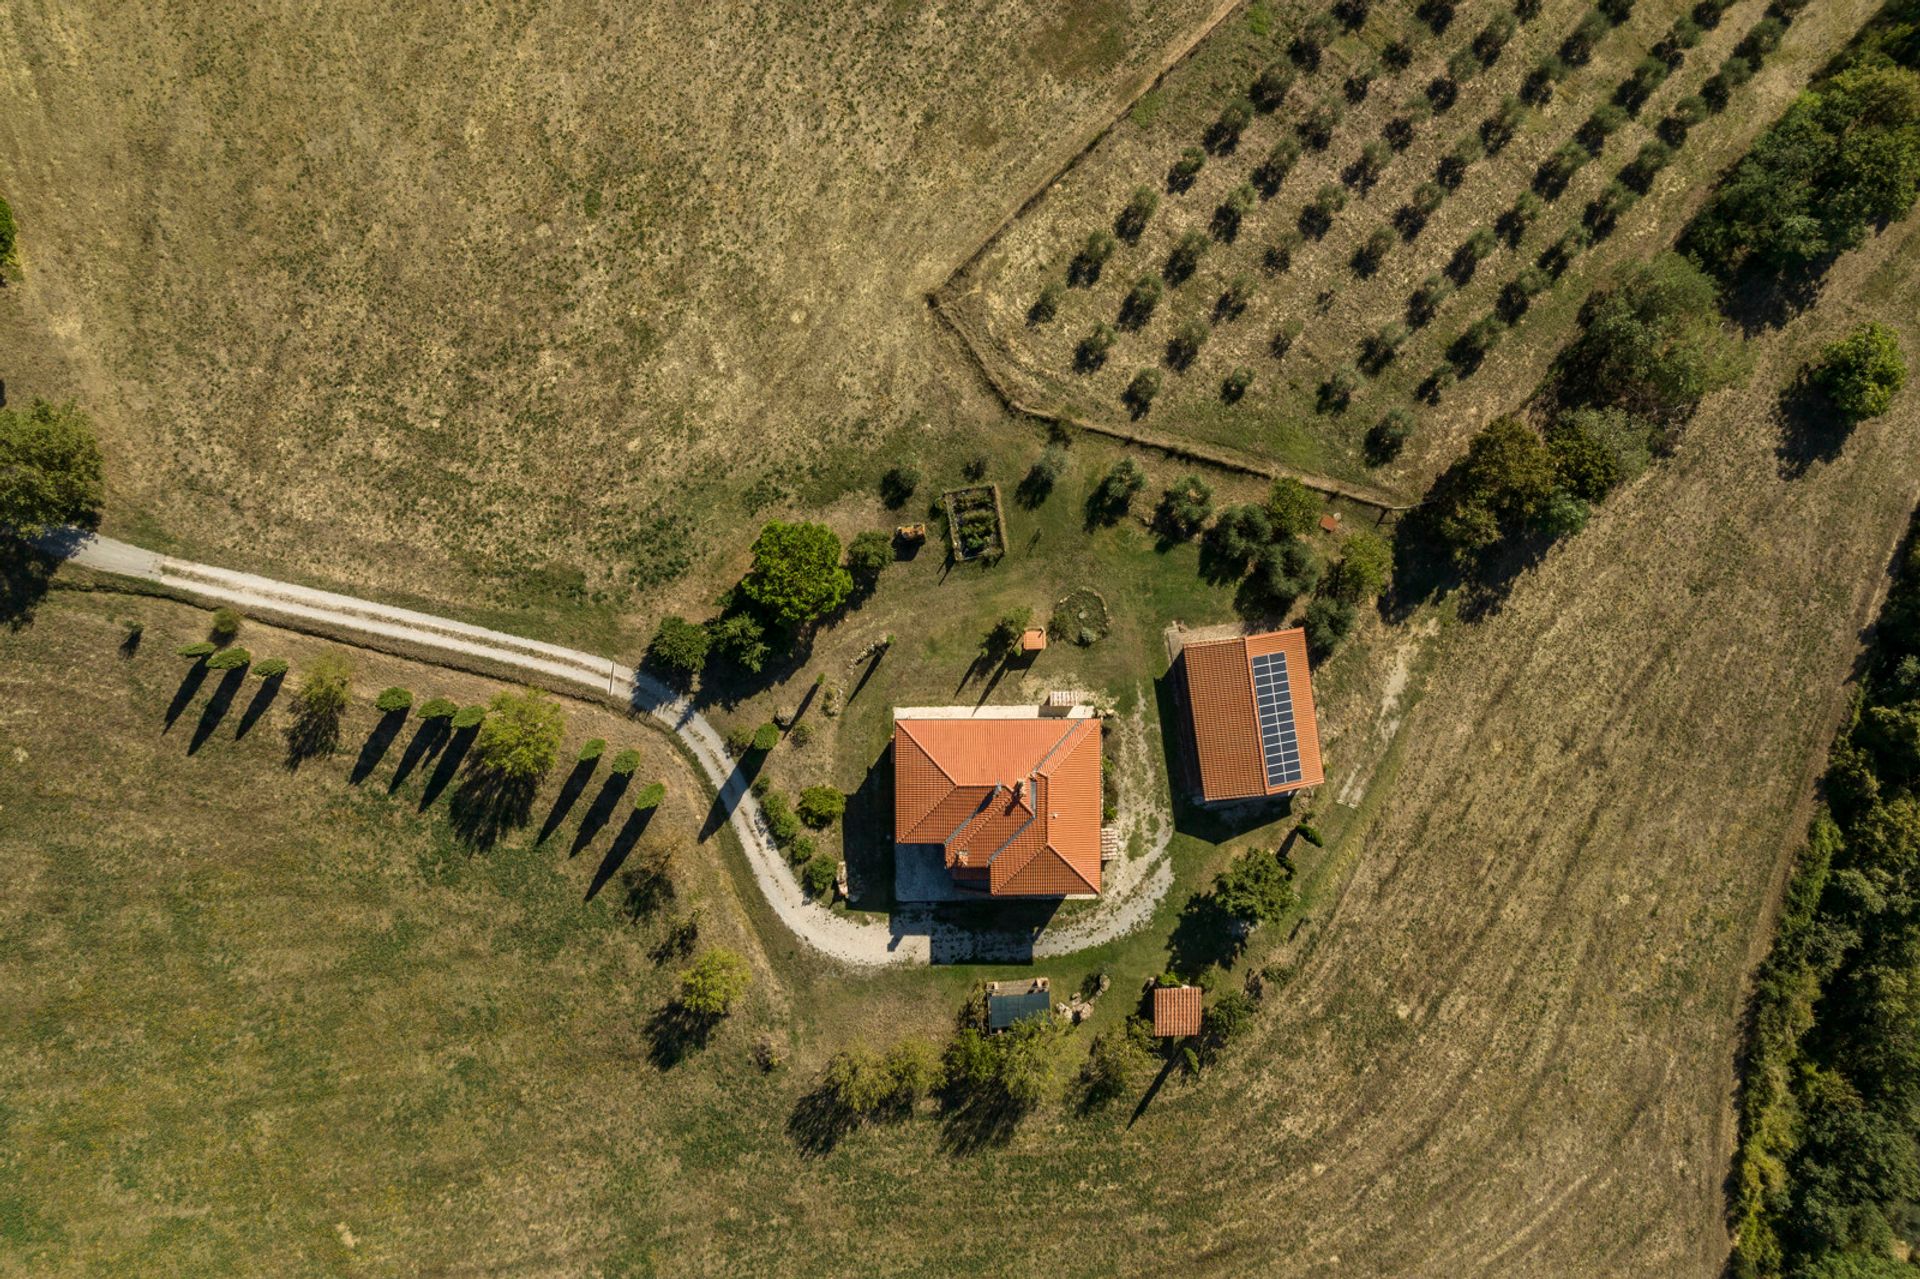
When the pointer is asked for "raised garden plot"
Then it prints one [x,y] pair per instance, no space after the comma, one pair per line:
[975,527]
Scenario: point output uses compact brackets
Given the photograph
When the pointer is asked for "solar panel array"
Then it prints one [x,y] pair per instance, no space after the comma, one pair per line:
[1273,697]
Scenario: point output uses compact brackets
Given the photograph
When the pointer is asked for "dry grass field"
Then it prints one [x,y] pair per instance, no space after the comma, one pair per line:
[1329,303]
[531,313]
[481,308]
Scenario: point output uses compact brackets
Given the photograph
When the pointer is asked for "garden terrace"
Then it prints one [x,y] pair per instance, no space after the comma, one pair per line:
[976,528]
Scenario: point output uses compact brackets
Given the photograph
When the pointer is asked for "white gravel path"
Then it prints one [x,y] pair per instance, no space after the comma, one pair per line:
[913,937]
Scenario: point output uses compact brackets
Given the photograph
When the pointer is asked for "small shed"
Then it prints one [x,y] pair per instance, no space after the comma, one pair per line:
[1009,1002]
[1176,1011]
[1033,639]
[1330,523]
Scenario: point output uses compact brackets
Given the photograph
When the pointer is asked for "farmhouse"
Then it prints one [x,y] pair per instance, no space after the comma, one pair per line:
[1248,705]
[1005,798]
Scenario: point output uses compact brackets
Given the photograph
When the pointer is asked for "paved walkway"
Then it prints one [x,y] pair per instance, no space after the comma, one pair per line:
[912,937]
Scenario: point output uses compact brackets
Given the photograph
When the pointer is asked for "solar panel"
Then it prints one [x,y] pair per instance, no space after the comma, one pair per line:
[1273,698]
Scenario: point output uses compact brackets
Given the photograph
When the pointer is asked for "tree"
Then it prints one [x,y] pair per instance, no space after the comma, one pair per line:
[393,700]
[1239,534]
[1845,155]
[1655,345]
[1365,562]
[680,646]
[1295,507]
[1328,620]
[717,980]
[438,708]
[226,624]
[741,638]
[272,668]
[1141,390]
[199,650]
[1863,371]
[1118,1062]
[468,717]
[1387,437]
[819,874]
[1256,889]
[49,469]
[229,659]
[868,555]
[1285,570]
[1184,507]
[1138,306]
[855,1078]
[796,574]
[651,796]
[1118,488]
[324,692]
[1185,256]
[1037,485]
[1002,640]
[1500,487]
[1139,211]
[821,806]
[766,737]
[912,1069]
[898,484]
[594,748]
[521,733]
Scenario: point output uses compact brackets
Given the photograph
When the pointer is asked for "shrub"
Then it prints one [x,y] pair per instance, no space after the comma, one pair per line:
[796,574]
[1327,622]
[898,484]
[1139,211]
[1141,390]
[1428,299]
[1372,162]
[819,874]
[1387,437]
[1283,338]
[1492,39]
[519,736]
[1861,373]
[229,659]
[1279,163]
[1093,348]
[782,824]
[438,708]
[197,651]
[1337,391]
[1453,166]
[1185,256]
[1188,337]
[1382,347]
[1227,218]
[739,739]
[1515,222]
[800,734]
[766,737]
[1234,298]
[1368,257]
[1236,383]
[271,668]
[594,748]
[226,624]
[1558,169]
[1224,133]
[821,806]
[1397,54]
[1317,218]
[800,847]
[1293,507]
[650,797]
[1046,306]
[393,699]
[1185,506]
[1138,306]
[1038,483]
[1118,1062]
[1651,158]
[1578,47]
[1607,119]
[1365,562]
[625,763]
[49,468]
[1654,346]
[717,981]
[1271,86]
[1462,66]
[1186,168]
[868,555]
[1498,129]
[1119,486]
[1279,255]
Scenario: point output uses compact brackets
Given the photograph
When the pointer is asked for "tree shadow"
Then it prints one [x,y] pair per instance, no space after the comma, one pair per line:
[728,796]
[819,1122]
[262,699]
[1204,936]
[600,812]
[189,686]
[130,642]
[1811,430]
[569,792]
[375,748]
[488,803]
[312,733]
[25,572]
[976,1120]
[458,744]
[630,832]
[675,1033]
[428,738]
[216,708]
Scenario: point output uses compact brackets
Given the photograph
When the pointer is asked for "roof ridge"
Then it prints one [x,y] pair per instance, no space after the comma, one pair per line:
[975,815]
[929,756]
[1073,726]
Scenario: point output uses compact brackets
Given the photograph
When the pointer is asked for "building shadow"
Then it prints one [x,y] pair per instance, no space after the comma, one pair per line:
[375,748]
[629,834]
[600,811]
[873,664]
[426,742]
[189,686]
[262,699]
[1153,1090]
[443,773]
[216,708]
[866,837]
[569,792]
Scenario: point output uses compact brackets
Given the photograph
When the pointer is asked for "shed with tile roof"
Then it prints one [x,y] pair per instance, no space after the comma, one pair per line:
[1177,1011]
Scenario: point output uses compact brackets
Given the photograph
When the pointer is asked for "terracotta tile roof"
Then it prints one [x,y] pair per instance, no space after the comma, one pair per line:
[1176,1011]
[1330,523]
[1016,803]
[1225,724]
[1033,639]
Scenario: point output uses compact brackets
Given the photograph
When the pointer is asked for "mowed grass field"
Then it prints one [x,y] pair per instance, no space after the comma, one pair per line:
[523,311]
[1329,304]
